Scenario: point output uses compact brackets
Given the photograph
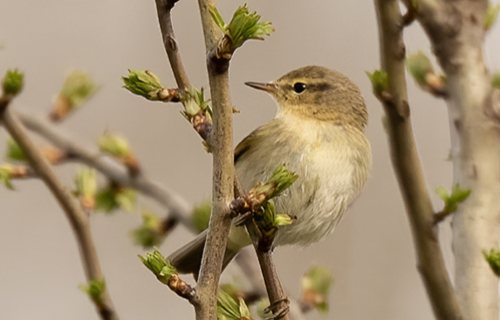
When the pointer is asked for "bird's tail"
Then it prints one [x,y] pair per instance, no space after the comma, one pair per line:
[187,259]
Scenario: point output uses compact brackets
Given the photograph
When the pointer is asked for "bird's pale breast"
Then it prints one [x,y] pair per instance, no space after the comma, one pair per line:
[331,160]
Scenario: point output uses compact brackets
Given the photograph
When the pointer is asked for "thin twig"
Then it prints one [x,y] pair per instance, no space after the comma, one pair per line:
[78,219]
[178,207]
[407,165]
[163,8]
[277,298]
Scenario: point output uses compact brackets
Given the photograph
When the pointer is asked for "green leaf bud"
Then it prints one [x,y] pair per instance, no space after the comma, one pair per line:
[144,83]
[159,265]
[149,233]
[5,176]
[493,259]
[229,309]
[85,187]
[243,26]
[114,198]
[14,152]
[94,289]
[13,82]
[379,81]
[457,196]
[316,284]
[78,87]
[194,101]
[114,145]
[419,66]
[201,215]
[490,17]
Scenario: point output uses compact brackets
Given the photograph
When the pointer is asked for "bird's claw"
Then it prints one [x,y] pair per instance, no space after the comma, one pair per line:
[278,309]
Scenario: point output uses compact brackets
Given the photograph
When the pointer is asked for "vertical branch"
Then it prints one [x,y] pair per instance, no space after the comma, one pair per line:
[457,36]
[407,164]
[223,170]
[164,7]
[78,219]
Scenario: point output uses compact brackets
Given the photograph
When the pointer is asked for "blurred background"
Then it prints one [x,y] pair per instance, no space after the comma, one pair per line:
[371,252]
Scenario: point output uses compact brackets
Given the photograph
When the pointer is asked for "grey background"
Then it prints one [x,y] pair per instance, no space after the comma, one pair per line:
[370,253]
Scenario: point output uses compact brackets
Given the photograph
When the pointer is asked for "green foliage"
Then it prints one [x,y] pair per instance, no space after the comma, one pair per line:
[149,233]
[490,16]
[269,219]
[201,215]
[159,265]
[194,101]
[85,186]
[495,81]
[114,145]
[451,201]
[419,66]
[78,87]
[278,182]
[379,81]
[5,176]
[493,259]
[316,284]
[14,152]
[143,83]
[112,198]
[13,82]
[243,26]
[94,289]
[229,309]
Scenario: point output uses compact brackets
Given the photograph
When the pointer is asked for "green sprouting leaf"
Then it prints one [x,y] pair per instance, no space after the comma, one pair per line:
[280,180]
[419,65]
[85,187]
[379,81]
[201,215]
[493,259]
[112,198]
[13,82]
[457,196]
[14,152]
[229,309]
[126,199]
[316,284]
[490,16]
[78,87]
[149,233]
[194,101]
[270,219]
[495,81]
[143,83]
[217,18]
[94,289]
[244,26]
[5,176]
[114,145]
[159,265]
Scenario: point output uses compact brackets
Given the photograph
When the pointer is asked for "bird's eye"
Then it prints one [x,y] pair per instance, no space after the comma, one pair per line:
[299,87]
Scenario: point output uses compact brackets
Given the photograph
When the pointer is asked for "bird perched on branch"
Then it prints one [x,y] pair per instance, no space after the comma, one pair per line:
[318,133]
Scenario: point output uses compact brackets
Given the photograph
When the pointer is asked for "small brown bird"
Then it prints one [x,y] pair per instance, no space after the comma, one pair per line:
[318,133]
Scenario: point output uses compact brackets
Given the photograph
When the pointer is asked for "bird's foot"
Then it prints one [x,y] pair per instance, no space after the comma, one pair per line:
[279,308]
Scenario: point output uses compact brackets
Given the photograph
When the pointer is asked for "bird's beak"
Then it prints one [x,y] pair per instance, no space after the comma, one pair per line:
[267,87]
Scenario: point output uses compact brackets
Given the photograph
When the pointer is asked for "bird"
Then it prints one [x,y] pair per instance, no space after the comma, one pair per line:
[319,134]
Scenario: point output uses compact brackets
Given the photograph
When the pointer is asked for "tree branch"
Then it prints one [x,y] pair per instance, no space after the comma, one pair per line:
[78,219]
[177,206]
[223,174]
[163,8]
[457,35]
[407,164]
